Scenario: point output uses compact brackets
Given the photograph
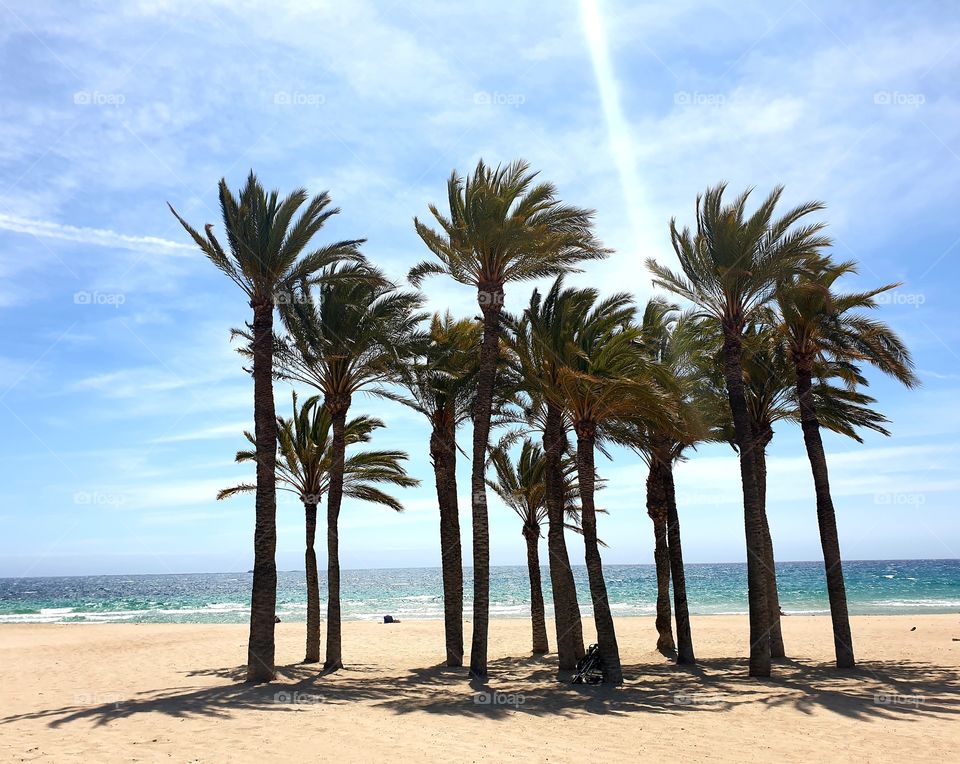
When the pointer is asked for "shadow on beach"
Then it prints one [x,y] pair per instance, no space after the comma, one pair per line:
[875,690]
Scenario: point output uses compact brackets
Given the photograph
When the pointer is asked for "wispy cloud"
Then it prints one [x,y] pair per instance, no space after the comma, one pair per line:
[618,127]
[99,237]
[207,433]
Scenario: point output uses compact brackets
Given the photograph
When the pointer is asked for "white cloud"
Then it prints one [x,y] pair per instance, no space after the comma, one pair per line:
[95,236]
[216,432]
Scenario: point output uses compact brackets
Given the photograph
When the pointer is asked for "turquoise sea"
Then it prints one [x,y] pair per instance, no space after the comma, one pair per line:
[873,587]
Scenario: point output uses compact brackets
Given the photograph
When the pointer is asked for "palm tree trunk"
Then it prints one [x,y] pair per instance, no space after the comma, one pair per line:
[684,638]
[827,520]
[606,635]
[263,600]
[337,406]
[565,607]
[313,586]
[537,618]
[443,451]
[752,517]
[490,298]
[657,511]
[762,437]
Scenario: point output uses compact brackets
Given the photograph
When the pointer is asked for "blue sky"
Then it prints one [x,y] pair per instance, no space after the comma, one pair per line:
[122,400]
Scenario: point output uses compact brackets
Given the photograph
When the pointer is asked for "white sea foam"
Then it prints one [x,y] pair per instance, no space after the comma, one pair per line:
[915,603]
[632,608]
[28,618]
[206,610]
[508,611]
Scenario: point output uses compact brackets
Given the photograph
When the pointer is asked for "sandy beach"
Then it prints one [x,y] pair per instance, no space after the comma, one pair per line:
[158,692]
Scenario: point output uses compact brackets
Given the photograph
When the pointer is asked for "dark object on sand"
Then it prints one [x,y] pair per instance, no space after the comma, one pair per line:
[390,619]
[276,619]
[589,667]
[914,628]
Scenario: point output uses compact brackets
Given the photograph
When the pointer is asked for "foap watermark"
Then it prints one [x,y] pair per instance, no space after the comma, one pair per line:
[490,298]
[283,297]
[698,698]
[486,98]
[686,98]
[915,299]
[114,299]
[296,98]
[891,498]
[896,699]
[298,698]
[114,699]
[494,698]
[896,98]
[96,98]
[99,498]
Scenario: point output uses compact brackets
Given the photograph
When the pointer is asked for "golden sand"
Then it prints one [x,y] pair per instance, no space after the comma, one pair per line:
[146,692]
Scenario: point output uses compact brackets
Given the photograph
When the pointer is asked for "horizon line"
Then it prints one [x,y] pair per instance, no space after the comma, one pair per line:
[465,567]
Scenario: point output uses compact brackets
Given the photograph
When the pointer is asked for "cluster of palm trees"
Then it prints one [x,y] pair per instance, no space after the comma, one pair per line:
[764,336]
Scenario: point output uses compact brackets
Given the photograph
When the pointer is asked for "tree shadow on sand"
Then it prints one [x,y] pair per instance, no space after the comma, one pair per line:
[875,690]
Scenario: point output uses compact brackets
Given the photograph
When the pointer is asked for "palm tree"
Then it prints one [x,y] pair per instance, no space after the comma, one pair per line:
[522,488]
[731,266]
[655,318]
[767,385]
[673,342]
[303,468]
[542,345]
[820,325]
[770,388]
[500,228]
[609,380]
[266,259]
[345,336]
[440,384]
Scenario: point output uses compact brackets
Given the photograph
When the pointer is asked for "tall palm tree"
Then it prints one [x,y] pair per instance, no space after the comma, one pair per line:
[542,345]
[672,341]
[345,336]
[440,384]
[500,228]
[821,325]
[770,388]
[730,267]
[609,380]
[303,467]
[522,488]
[767,385]
[266,258]
[655,321]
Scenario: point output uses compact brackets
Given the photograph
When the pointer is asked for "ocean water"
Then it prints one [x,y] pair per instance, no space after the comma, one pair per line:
[873,587]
